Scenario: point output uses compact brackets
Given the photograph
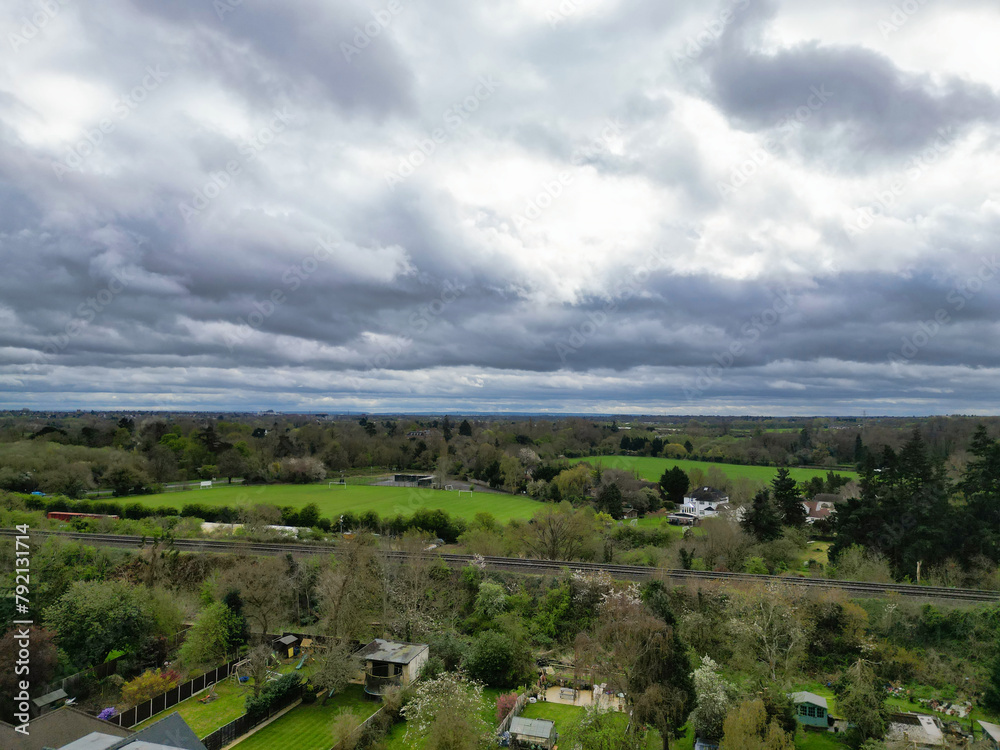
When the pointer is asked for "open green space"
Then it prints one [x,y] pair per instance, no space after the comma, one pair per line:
[651,469]
[818,740]
[205,718]
[561,713]
[308,726]
[332,501]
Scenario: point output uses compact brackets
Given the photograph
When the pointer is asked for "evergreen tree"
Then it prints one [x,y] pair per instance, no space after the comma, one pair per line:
[688,446]
[787,500]
[609,500]
[861,700]
[465,429]
[981,486]
[239,629]
[859,450]
[762,519]
[903,511]
[673,484]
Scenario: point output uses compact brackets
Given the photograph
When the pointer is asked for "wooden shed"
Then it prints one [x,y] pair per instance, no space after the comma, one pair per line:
[810,709]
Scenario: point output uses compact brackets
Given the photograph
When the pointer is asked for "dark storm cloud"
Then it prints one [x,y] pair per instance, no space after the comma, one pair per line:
[871,107]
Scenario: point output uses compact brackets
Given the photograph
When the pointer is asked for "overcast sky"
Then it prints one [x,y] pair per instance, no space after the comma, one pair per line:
[613,206]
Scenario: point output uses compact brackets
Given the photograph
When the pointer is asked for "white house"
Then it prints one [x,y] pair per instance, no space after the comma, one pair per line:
[703,502]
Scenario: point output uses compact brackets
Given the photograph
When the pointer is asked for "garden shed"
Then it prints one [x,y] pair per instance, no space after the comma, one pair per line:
[810,709]
[532,732]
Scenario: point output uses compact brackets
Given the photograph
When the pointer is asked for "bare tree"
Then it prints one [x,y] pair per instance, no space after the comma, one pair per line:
[263,587]
[558,533]
[411,602]
[352,592]
[258,663]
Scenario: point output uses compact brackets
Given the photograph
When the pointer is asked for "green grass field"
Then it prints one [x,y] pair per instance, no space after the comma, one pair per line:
[562,714]
[205,718]
[308,726]
[651,469]
[386,501]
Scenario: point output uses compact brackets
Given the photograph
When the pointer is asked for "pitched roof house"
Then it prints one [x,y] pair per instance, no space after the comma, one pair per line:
[703,502]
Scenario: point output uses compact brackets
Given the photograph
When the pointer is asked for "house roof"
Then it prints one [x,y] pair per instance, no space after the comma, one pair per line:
[169,732]
[394,652]
[807,697]
[993,730]
[52,697]
[916,728]
[523,727]
[814,510]
[288,640]
[706,495]
[56,729]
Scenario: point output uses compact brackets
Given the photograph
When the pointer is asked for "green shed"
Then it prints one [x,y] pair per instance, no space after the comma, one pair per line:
[810,709]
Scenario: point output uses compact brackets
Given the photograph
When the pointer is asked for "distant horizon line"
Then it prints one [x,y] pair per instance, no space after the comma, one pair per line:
[394,413]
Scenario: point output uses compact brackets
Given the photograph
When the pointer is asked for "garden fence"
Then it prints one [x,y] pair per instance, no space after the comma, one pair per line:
[163,701]
[360,728]
[516,711]
[241,725]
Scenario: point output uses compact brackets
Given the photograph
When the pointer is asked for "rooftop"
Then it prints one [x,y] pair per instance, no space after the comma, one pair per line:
[394,652]
[542,728]
[993,730]
[807,697]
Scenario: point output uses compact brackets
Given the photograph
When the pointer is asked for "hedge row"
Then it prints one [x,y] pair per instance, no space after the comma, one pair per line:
[432,521]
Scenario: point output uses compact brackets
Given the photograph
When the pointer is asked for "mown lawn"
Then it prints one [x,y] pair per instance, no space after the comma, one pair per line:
[309,726]
[562,714]
[651,469]
[332,501]
[205,718]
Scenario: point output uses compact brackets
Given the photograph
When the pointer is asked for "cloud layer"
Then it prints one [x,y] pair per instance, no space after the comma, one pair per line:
[617,206]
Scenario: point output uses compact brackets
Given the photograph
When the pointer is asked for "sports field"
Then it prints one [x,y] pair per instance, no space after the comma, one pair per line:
[332,501]
[651,469]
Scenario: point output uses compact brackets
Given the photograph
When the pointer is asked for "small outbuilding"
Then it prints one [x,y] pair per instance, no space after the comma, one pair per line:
[811,710]
[287,646]
[389,663]
[532,732]
[916,731]
[50,701]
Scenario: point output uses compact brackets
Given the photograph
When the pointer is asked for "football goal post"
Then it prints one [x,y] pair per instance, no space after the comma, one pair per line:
[465,492]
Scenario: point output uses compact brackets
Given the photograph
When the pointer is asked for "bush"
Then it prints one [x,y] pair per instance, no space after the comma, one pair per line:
[148,685]
[505,704]
[273,693]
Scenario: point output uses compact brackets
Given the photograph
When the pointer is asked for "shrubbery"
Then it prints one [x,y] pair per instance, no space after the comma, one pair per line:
[148,685]
[272,694]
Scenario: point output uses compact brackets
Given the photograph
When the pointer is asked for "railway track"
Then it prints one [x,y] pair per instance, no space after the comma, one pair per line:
[539,567]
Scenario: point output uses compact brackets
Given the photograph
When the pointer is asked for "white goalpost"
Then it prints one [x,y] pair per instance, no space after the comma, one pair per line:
[449,487]
[465,492]
[338,484]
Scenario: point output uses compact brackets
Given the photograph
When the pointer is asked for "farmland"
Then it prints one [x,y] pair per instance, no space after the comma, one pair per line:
[651,469]
[386,501]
